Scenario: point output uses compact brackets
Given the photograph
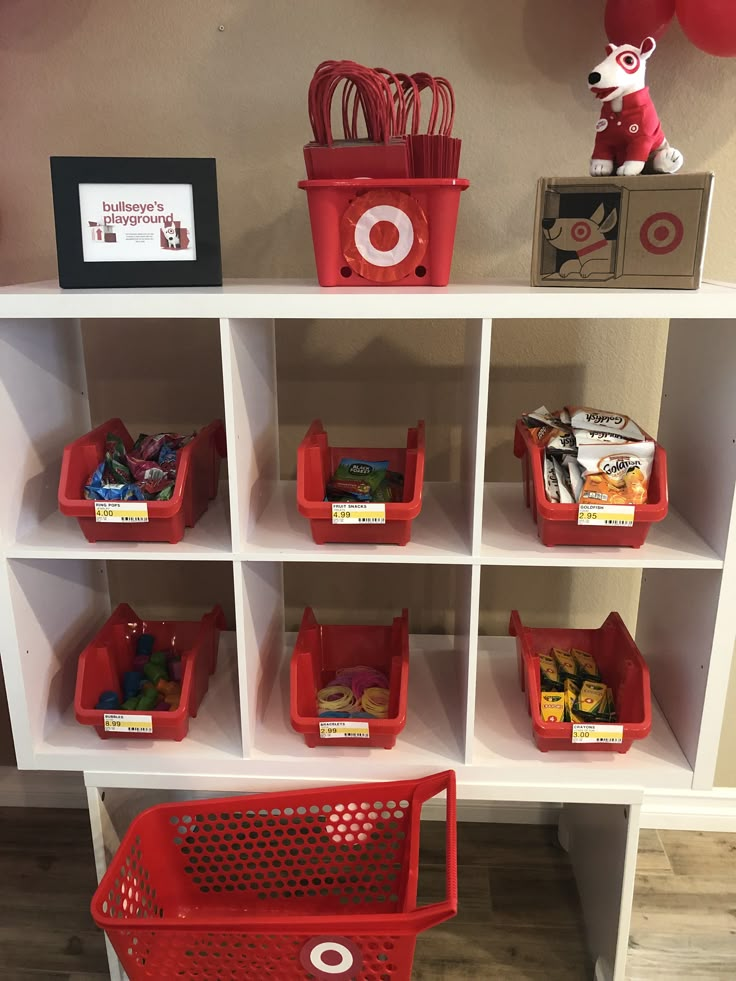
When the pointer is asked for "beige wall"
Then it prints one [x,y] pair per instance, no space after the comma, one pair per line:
[137,77]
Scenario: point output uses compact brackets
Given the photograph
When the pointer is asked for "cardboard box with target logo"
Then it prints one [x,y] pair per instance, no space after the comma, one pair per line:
[621,232]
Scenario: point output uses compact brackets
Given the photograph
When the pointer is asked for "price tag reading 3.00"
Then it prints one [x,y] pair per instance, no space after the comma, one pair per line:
[604,732]
[358,513]
[606,515]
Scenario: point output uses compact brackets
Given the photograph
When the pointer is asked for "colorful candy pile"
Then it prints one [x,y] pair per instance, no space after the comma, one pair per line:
[355,693]
[365,480]
[153,683]
[572,689]
[147,472]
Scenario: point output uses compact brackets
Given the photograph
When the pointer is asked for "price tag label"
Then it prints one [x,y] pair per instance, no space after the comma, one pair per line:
[121,511]
[604,732]
[343,729]
[358,513]
[119,722]
[606,515]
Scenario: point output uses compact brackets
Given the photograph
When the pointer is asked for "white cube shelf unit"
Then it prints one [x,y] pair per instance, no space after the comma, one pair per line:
[465,708]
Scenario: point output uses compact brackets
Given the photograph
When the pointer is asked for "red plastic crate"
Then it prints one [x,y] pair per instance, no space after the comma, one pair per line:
[622,668]
[196,485]
[201,889]
[316,463]
[110,654]
[322,650]
[430,205]
[557,524]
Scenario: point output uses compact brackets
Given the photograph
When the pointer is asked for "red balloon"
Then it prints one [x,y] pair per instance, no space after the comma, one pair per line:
[710,25]
[630,21]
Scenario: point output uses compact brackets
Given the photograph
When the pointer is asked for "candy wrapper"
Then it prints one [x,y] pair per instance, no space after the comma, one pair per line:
[146,473]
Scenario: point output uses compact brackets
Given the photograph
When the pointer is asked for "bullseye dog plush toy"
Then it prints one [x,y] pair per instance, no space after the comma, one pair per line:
[628,133]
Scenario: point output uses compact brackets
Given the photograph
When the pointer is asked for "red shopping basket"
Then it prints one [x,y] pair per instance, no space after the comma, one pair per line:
[379,232]
[317,461]
[197,476]
[105,659]
[557,524]
[322,650]
[290,886]
[622,668]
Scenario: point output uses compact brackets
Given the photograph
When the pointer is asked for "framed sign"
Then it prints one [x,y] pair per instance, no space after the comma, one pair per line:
[136,221]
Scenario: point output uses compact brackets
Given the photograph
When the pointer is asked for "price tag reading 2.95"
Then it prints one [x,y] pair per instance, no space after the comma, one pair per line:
[358,513]
[606,515]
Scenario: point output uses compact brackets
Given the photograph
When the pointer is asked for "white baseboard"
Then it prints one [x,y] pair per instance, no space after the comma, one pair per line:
[495,812]
[691,810]
[36,788]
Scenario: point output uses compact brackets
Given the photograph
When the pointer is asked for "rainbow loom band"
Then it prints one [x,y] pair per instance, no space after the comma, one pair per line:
[335,698]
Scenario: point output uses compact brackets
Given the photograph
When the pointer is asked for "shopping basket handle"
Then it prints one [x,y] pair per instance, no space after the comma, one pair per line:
[429,916]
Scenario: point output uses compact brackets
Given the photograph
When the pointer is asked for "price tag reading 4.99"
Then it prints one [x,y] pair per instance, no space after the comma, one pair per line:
[606,515]
[358,513]
[603,732]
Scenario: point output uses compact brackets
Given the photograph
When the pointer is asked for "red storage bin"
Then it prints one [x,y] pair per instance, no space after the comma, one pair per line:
[110,654]
[557,524]
[322,650]
[418,249]
[197,477]
[317,461]
[199,890]
[622,668]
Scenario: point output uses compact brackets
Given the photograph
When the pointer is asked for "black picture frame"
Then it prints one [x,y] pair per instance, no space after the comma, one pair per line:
[67,173]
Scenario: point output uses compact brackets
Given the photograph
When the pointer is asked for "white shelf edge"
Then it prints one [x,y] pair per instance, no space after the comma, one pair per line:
[245,299]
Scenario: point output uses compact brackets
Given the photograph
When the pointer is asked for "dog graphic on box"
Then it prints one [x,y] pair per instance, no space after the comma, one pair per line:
[589,241]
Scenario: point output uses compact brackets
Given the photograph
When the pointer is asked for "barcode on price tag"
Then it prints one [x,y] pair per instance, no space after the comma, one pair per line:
[121,512]
[119,722]
[606,515]
[343,729]
[603,732]
[358,513]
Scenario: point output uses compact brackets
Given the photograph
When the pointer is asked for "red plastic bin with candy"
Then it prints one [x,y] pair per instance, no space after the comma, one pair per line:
[146,678]
[167,480]
[349,684]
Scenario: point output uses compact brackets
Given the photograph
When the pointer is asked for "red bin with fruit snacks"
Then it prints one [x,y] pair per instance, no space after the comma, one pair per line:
[317,461]
[322,650]
[557,524]
[622,668]
[199,889]
[197,477]
[110,654]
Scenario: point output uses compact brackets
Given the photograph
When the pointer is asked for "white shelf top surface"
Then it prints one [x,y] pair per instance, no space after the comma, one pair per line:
[504,753]
[439,534]
[213,743]
[305,299]
[510,538]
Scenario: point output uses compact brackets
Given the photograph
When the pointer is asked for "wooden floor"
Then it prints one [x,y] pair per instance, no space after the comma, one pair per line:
[519,914]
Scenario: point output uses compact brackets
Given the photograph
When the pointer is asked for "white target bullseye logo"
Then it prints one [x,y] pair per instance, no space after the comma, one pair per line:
[662,233]
[331,958]
[384,235]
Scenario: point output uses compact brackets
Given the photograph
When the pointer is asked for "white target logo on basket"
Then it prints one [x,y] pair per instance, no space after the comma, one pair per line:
[384,235]
[331,958]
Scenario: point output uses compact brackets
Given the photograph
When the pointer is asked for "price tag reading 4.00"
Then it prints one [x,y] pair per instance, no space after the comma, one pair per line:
[121,512]
[358,513]
[343,729]
[604,732]
[606,515]
[120,722]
